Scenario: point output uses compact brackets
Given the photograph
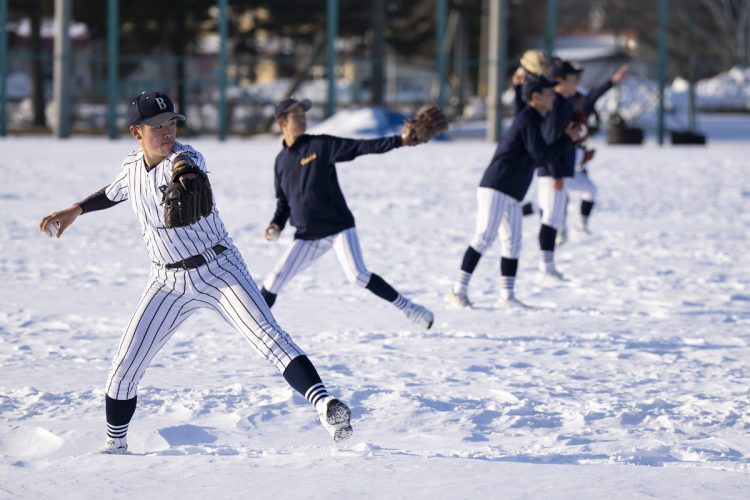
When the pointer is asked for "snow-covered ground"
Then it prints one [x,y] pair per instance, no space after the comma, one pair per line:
[631,381]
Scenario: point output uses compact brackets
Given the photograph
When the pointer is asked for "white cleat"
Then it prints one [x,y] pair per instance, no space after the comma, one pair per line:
[336,419]
[115,446]
[460,300]
[419,315]
[583,228]
[511,303]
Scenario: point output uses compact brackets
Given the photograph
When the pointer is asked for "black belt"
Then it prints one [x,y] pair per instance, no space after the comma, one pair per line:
[195,260]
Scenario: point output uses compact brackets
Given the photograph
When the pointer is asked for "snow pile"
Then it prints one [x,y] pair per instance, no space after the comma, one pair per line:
[728,90]
[364,122]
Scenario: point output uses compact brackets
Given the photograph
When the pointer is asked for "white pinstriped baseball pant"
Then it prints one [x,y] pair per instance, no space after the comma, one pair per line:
[172,295]
[551,202]
[498,213]
[302,253]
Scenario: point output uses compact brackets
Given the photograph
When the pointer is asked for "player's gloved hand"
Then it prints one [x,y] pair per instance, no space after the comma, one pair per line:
[427,124]
[272,232]
[587,156]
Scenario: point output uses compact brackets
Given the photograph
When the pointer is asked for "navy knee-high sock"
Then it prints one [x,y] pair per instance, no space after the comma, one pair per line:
[119,413]
[269,297]
[381,288]
[304,378]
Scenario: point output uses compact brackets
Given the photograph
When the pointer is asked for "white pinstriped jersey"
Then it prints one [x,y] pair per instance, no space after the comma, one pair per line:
[144,188]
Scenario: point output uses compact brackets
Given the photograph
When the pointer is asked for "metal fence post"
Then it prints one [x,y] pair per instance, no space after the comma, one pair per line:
[332,24]
[550,34]
[663,19]
[442,50]
[222,80]
[3,61]
[113,32]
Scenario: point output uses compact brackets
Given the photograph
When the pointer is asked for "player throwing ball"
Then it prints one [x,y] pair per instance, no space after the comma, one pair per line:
[194,265]
[503,187]
[309,196]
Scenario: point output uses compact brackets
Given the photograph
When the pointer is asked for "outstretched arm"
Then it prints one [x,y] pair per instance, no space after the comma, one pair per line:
[348,149]
[66,217]
[596,92]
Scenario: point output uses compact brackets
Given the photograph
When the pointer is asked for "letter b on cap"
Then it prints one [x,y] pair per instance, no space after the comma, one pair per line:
[160,102]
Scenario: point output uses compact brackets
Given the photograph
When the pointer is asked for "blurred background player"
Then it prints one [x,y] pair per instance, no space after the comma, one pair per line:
[309,196]
[504,184]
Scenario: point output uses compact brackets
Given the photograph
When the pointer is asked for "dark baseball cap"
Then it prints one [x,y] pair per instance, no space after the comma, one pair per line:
[561,69]
[535,83]
[286,105]
[151,108]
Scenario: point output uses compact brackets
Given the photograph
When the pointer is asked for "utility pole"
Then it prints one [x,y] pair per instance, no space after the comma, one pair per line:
[498,65]
[62,67]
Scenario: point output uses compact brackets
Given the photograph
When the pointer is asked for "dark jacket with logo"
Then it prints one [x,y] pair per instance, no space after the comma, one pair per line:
[522,148]
[307,188]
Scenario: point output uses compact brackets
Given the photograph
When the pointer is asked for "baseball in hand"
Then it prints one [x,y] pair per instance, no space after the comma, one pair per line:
[52,229]
[272,233]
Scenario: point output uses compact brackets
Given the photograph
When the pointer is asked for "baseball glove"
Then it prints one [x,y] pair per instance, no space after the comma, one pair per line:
[427,124]
[188,197]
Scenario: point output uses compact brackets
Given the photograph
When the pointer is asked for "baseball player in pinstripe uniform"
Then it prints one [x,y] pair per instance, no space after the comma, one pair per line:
[192,267]
[309,196]
[503,187]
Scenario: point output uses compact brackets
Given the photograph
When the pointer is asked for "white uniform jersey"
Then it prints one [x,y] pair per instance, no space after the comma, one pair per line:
[144,189]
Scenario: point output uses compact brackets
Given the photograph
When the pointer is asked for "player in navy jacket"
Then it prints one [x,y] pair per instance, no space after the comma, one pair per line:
[552,176]
[308,195]
[503,186]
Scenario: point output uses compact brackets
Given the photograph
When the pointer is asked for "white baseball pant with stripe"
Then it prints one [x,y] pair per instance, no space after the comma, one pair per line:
[302,253]
[551,202]
[500,214]
[172,295]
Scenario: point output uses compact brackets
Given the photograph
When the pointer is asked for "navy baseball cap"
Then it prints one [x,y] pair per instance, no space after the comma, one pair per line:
[535,83]
[151,108]
[286,105]
[561,69]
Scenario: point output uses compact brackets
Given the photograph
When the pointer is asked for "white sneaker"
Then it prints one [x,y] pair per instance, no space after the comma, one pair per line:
[460,299]
[336,419]
[419,315]
[115,446]
[511,302]
[583,228]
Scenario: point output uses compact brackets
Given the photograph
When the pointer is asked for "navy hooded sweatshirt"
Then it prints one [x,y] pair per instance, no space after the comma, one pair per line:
[307,187]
